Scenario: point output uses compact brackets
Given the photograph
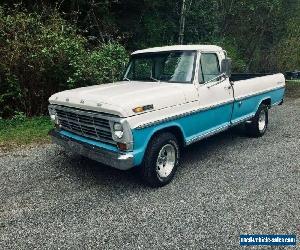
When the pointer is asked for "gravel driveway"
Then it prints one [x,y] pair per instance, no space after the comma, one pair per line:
[227,185]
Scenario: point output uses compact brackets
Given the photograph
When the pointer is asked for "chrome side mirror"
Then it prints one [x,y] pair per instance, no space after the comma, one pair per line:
[226,67]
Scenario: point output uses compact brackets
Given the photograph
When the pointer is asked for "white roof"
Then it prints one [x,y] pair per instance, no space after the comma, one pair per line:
[180,47]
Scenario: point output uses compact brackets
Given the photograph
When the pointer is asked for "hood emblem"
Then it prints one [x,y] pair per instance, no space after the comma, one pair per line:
[99,104]
[82,101]
[67,99]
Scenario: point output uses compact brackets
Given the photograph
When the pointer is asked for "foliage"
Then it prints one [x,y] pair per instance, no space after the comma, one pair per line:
[287,52]
[42,54]
[101,65]
[22,131]
[48,46]
[255,27]
[230,45]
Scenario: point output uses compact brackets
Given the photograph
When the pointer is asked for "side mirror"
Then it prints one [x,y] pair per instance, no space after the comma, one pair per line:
[226,67]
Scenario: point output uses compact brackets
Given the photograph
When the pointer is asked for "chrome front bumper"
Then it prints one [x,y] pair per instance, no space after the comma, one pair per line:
[117,160]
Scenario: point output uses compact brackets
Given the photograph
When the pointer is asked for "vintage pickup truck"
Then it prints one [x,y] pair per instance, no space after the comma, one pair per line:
[168,98]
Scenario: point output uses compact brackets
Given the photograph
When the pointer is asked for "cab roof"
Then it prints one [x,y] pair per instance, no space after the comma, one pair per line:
[205,48]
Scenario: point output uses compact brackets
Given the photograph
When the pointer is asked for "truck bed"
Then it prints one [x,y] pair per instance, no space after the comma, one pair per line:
[251,89]
[245,76]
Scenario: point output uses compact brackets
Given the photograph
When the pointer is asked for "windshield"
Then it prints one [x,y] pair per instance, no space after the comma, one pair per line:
[177,66]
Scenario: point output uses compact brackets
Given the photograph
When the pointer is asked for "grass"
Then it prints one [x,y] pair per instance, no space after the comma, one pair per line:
[24,131]
[293,82]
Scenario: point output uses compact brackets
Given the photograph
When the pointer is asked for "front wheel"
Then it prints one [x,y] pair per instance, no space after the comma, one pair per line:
[258,125]
[160,160]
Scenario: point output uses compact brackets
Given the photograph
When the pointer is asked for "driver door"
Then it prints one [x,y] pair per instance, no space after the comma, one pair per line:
[215,96]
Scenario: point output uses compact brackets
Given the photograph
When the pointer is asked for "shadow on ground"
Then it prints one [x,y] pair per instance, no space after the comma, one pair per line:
[88,170]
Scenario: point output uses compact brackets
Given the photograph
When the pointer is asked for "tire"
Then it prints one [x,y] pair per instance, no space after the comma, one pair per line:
[258,125]
[161,160]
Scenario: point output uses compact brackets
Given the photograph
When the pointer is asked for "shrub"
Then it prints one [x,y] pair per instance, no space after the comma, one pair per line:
[101,65]
[42,54]
[229,44]
[287,52]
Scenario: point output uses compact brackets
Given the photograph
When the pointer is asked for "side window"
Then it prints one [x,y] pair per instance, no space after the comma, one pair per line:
[209,67]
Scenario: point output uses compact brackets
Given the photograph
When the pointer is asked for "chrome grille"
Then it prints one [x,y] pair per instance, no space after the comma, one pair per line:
[85,123]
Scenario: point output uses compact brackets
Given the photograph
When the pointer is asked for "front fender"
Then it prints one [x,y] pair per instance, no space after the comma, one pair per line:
[142,137]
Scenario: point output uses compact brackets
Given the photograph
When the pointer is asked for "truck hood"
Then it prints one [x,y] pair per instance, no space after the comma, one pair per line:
[121,97]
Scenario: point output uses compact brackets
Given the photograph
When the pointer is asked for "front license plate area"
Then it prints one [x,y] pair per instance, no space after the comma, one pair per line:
[75,147]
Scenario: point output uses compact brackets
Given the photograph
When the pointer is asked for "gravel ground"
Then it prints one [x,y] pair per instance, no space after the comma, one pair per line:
[227,185]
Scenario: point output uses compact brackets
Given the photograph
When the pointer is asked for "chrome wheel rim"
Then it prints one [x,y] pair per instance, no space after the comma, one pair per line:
[166,161]
[262,121]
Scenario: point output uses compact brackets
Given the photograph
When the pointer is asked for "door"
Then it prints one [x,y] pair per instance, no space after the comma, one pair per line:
[215,97]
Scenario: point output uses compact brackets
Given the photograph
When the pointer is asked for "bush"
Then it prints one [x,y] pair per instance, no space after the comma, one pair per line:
[287,52]
[229,44]
[42,54]
[101,65]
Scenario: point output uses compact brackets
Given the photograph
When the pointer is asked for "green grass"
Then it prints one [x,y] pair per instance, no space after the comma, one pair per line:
[293,82]
[23,131]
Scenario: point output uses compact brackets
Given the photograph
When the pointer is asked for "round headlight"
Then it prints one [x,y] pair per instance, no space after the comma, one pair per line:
[118,127]
[118,130]
[51,110]
[53,117]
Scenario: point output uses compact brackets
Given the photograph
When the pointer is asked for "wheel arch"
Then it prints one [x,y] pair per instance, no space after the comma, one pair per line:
[173,129]
[144,137]
[266,101]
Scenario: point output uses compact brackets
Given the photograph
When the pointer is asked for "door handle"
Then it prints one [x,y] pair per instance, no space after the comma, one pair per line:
[227,87]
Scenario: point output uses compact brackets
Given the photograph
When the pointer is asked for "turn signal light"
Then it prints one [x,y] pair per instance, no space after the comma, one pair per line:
[142,109]
[122,146]
[138,109]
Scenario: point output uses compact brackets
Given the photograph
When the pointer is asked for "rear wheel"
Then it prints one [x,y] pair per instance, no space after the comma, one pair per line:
[258,125]
[160,160]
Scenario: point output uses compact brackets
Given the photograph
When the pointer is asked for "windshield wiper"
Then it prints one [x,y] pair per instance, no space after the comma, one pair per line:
[127,79]
[154,79]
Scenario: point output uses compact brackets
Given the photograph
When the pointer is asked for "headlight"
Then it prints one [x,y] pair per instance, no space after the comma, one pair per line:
[51,111]
[53,116]
[118,130]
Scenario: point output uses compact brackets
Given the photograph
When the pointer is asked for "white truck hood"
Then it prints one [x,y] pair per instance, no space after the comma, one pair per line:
[121,97]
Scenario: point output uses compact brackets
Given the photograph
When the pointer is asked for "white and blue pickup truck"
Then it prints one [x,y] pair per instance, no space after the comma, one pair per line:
[168,98]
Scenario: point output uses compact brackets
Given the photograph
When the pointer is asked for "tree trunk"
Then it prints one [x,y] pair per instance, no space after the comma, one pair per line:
[182,23]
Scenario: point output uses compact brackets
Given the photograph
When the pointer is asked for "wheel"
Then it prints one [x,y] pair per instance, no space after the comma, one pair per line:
[161,160]
[258,125]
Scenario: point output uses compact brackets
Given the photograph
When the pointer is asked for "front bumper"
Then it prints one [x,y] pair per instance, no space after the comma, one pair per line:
[117,160]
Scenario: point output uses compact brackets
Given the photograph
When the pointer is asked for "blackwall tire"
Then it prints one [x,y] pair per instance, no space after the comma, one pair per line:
[161,160]
[258,125]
